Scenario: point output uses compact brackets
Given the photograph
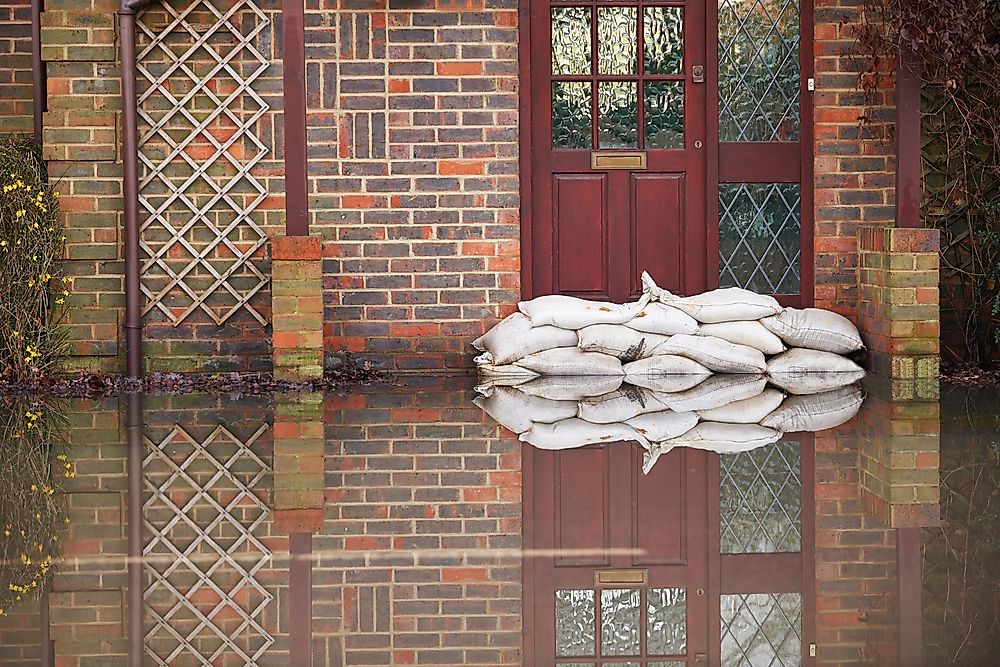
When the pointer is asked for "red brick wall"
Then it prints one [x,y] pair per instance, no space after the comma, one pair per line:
[15,73]
[413,154]
[854,178]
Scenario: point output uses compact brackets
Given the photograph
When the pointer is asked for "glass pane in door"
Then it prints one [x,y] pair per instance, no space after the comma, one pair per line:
[666,621]
[664,114]
[620,621]
[571,41]
[760,237]
[762,629]
[575,635]
[663,40]
[571,122]
[616,43]
[617,125]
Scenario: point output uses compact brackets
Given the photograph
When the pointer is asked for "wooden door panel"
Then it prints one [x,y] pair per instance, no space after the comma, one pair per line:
[580,217]
[657,208]
[659,519]
[581,482]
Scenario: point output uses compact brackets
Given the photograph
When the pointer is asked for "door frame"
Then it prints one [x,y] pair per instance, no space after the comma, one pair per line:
[526,112]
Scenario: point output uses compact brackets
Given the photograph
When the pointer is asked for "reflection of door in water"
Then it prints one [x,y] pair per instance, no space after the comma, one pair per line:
[670,140]
[705,561]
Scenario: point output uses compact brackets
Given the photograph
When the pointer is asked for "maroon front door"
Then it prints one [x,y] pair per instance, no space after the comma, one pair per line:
[618,147]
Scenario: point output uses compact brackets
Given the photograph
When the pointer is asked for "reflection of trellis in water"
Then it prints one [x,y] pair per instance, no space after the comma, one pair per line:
[198,113]
[202,513]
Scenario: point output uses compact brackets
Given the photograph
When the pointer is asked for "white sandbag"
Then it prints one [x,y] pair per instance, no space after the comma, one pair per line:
[572,361]
[725,438]
[716,354]
[652,455]
[619,341]
[664,425]
[747,411]
[729,304]
[572,433]
[509,373]
[514,338]
[618,406]
[815,329]
[662,365]
[714,392]
[517,411]
[569,388]
[662,319]
[808,414]
[804,372]
[569,312]
[752,334]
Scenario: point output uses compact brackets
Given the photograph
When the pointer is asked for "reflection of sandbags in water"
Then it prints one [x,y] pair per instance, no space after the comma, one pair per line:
[571,433]
[716,354]
[666,384]
[804,372]
[657,426]
[665,372]
[568,312]
[517,411]
[514,338]
[750,334]
[617,406]
[572,361]
[569,388]
[747,411]
[817,412]
[815,329]
[507,374]
[662,319]
[725,438]
[729,304]
[714,392]
[619,341]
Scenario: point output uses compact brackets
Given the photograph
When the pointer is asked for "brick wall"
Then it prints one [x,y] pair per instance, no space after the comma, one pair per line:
[21,637]
[854,178]
[413,155]
[15,75]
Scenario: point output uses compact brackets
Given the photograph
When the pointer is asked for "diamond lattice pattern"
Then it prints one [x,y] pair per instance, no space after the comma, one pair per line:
[203,602]
[760,237]
[762,630]
[761,500]
[198,145]
[759,70]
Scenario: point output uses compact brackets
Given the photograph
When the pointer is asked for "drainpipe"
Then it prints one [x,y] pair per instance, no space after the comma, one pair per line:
[130,184]
[37,69]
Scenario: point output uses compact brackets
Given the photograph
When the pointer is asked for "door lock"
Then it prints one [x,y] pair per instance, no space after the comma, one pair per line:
[698,74]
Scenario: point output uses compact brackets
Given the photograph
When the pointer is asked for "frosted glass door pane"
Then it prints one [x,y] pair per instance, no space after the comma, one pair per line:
[575,623]
[620,621]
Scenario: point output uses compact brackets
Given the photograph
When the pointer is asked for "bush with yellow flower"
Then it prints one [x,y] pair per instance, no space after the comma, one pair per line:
[32,288]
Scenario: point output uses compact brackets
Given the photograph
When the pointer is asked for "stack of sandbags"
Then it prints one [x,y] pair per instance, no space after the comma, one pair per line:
[668,343]
[722,413]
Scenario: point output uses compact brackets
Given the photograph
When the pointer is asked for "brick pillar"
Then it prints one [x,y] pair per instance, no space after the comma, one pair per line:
[900,447]
[899,312]
[297,307]
[298,463]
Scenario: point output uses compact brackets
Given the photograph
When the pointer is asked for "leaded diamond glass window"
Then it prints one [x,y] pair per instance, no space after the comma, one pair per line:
[761,500]
[762,629]
[759,70]
[760,237]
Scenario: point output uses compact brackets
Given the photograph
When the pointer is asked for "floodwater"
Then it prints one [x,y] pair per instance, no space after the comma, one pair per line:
[401,525]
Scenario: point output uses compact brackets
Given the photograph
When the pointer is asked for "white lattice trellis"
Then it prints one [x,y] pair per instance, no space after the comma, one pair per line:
[202,555]
[198,145]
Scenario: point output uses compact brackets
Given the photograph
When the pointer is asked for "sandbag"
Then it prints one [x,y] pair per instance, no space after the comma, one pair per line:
[514,338]
[517,411]
[569,312]
[716,354]
[572,361]
[508,373]
[573,433]
[747,411]
[662,319]
[751,334]
[815,329]
[729,304]
[725,438]
[666,384]
[619,341]
[664,425]
[618,406]
[804,372]
[569,388]
[808,414]
[665,373]
[714,392]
